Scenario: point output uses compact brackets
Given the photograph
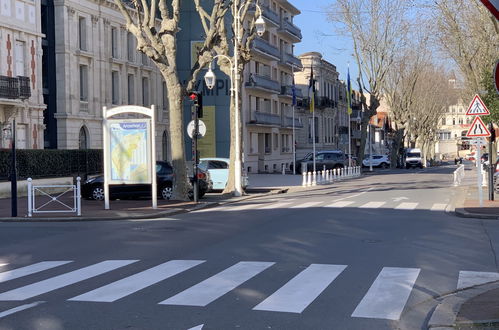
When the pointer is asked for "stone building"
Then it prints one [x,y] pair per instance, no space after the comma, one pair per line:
[452,130]
[91,61]
[21,74]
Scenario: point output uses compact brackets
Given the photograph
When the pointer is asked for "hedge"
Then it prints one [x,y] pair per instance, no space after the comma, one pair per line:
[44,163]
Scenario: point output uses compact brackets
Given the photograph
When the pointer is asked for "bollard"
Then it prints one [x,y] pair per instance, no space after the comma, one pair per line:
[323,179]
[30,197]
[283,169]
[327,176]
[314,178]
[78,195]
[309,179]
[304,180]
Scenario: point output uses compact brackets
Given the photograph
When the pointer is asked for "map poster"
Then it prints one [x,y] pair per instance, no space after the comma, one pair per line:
[129,147]
[207,145]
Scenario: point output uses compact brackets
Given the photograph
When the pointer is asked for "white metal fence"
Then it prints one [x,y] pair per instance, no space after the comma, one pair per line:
[54,198]
[329,176]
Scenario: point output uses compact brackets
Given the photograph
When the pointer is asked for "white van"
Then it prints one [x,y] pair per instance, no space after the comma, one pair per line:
[413,158]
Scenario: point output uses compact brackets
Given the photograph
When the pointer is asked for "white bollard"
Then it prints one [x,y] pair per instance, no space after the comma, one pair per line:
[304,180]
[314,178]
[30,197]
[327,176]
[309,179]
[283,169]
[78,196]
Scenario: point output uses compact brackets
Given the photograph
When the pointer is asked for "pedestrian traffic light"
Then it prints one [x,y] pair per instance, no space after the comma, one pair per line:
[197,98]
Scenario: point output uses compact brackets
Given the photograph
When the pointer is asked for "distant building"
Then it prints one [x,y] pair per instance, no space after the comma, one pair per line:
[452,129]
[21,73]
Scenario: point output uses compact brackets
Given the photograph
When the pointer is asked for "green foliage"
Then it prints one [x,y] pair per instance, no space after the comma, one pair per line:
[40,163]
[491,98]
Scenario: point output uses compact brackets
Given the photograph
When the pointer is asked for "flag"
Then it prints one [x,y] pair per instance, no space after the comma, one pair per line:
[311,90]
[349,94]
[293,93]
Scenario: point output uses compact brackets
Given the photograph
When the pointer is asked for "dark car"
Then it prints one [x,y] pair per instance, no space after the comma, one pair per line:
[93,188]
[331,159]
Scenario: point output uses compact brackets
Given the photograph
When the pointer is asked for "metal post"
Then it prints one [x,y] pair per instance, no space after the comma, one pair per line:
[105,139]
[13,173]
[78,196]
[491,165]
[238,191]
[154,186]
[293,108]
[479,173]
[370,148]
[30,205]
[195,152]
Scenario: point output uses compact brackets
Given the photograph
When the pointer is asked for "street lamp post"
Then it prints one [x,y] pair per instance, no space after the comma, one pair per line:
[235,77]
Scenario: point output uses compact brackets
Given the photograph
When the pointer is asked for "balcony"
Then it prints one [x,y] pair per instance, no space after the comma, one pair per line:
[291,60]
[15,87]
[263,83]
[325,102]
[264,118]
[290,30]
[270,15]
[288,122]
[266,49]
[288,91]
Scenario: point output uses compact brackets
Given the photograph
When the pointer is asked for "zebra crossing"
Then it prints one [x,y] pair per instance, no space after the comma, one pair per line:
[303,204]
[386,297]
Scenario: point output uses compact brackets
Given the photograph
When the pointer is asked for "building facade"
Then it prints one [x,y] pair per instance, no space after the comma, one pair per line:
[21,74]
[330,116]
[96,64]
[452,129]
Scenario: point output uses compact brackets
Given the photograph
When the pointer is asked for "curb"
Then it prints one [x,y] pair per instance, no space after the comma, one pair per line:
[462,213]
[444,315]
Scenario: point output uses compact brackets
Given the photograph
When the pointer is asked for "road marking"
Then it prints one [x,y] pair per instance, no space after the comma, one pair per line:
[216,286]
[406,206]
[241,207]
[305,205]
[468,278]
[301,290]
[139,281]
[340,204]
[199,327]
[438,207]
[31,269]
[399,199]
[388,295]
[63,280]
[19,309]
[274,206]
[372,205]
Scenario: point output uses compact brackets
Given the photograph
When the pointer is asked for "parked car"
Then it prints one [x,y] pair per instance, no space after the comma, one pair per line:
[218,168]
[331,159]
[377,160]
[496,178]
[93,188]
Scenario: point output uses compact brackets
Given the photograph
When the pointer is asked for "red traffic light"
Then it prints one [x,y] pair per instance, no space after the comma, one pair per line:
[193,96]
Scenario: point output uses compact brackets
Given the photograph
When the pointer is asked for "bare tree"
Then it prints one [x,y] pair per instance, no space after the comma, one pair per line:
[378,29]
[156,35]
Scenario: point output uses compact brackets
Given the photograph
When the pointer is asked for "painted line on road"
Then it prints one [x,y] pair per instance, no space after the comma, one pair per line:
[406,206]
[139,281]
[20,309]
[216,286]
[438,207]
[63,280]
[301,290]
[274,206]
[388,295]
[372,205]
[340,204]
[469,278]
[242,207]
[199,327]
[31,269]
[305,205]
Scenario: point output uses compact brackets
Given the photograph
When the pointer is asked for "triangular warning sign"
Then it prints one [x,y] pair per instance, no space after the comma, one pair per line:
[478,128]
[477,107]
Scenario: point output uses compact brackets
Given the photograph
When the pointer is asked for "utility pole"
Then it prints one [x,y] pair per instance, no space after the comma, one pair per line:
[13,172]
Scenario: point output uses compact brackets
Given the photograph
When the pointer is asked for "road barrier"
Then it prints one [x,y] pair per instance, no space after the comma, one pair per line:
[329,176]
[458,175]
[46,190]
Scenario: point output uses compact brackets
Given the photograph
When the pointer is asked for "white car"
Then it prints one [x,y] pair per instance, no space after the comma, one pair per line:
[377,160]
[219,172]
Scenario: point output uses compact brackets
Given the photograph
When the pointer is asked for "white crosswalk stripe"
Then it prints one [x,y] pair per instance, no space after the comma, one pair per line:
[305,205]
[438,207]
[468,278]
[272,206]
[300,291]
[406,206]
[340,204]
[134,283]
[63,280]
[31,269]
[387,296]
[372,205]
[216,286]
[241,207]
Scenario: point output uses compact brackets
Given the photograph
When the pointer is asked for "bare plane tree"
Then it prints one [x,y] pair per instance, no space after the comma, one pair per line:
[155,25]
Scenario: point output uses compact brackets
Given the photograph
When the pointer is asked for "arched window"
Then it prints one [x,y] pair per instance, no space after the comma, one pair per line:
[164,146]
[83,138]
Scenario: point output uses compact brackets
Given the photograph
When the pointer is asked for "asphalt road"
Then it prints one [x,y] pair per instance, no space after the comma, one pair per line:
[374,252]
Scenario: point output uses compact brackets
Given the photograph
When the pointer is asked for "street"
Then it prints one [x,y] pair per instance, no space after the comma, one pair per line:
[374,252]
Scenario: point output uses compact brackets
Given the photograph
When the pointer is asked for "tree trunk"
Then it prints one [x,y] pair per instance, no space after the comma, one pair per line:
[230,187]
[397,142]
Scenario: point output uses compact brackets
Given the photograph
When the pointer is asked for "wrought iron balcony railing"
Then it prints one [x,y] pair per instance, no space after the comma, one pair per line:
[15,87]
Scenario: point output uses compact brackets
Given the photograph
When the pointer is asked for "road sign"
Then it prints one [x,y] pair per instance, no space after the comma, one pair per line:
[492,6]
[496,76]
[478,142]
[477,107]
[202,128]
[478,129]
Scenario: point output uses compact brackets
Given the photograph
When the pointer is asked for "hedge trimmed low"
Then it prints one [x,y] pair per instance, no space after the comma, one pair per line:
[43,163]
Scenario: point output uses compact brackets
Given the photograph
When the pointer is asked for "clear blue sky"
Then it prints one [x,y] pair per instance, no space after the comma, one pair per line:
[319,35]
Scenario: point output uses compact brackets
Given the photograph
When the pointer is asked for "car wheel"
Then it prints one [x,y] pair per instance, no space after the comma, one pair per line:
[166,193]
[98,193]
[384,165]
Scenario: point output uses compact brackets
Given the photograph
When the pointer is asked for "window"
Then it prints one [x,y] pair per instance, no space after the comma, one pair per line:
[145,91]
[19,56]
[115,88]
[444,121]
[82,138]
[145,59]
[276,141]
[217,165]
[268,143]
[83,83]
[130,43]
[131,89]
[82,33]
[164,96]
[114,42]
[165,146]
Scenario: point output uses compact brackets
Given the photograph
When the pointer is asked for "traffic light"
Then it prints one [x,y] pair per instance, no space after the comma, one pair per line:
[197,98]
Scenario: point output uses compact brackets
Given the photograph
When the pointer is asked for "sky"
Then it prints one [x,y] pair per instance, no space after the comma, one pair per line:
[319,35]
